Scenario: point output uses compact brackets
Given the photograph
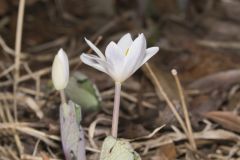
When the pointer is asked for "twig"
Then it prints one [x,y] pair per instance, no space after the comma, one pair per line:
[185,111]
[38,88]
[18,51]
[135,100]
[31,92]
[9,50]
[170,104]
[8,152]
[108,94]
[36,147]
[17,65]
[150,135]
[45,137]
[8,70]
[92,150]
[29,157]
[6,48]
[218,44]
[36,78]
[55,43]
[92,128]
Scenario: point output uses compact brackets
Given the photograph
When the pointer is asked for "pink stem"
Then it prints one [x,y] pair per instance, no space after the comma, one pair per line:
[116,109]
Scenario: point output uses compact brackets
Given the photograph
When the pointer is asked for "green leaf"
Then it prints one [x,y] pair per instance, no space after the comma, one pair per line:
[83,92]
[117,149]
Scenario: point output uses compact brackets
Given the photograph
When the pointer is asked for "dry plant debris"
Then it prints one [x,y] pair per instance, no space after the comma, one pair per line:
[199,39]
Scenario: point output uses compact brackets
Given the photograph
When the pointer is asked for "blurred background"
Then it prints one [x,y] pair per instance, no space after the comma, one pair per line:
[198,38]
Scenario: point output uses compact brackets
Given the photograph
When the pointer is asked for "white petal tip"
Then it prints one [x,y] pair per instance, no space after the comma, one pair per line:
[152,50]
[141,34]
[127,35]
[95,49]
[142,37]
[82,56]
[61,51]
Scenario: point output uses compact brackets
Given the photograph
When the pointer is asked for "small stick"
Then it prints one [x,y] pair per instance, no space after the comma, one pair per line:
[116,109]
[5,47]
[6,71]
[36,147]
[38,87]
[185,111]
[18,51]
[17,66]
[170,104]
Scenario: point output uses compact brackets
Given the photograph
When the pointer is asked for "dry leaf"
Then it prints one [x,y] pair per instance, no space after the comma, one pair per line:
[226,119]
[167,152]
[223,80]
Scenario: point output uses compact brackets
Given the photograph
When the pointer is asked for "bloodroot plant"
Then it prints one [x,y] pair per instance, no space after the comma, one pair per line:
[120,61]
[71,132]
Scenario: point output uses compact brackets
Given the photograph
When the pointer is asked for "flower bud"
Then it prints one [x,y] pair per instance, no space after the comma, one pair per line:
[60,70]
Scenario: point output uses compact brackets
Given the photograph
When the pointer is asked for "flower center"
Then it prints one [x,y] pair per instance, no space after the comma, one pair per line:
[126,52]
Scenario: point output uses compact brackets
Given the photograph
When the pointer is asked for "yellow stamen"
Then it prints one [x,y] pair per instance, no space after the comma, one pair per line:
[126,53]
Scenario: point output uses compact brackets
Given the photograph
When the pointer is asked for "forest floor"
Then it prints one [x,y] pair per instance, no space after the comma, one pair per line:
[200,40]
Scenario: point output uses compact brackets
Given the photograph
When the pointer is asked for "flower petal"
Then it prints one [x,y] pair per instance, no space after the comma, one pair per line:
[94,62]
[63,57]
[149,53]
[136,55]
[99,53]
[114,56]
[125,42]
[116,59]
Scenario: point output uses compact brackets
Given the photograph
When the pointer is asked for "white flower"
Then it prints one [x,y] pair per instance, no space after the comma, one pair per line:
[60,70]
[121,60]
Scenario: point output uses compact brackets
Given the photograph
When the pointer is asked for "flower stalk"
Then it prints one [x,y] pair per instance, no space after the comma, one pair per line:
[116,107]
[63,97]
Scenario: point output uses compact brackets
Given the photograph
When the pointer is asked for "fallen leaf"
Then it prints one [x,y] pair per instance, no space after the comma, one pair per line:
[226,119]
[201,105]
[195,155]
[224,80]
[167,152]
[134,130]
